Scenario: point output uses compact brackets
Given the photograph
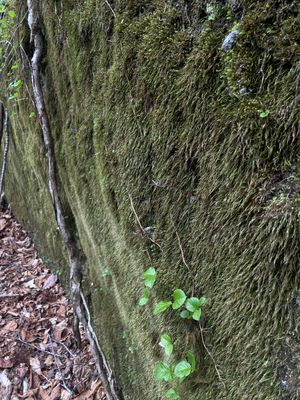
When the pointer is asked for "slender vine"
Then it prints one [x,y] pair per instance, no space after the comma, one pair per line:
[5,155]
[81,310]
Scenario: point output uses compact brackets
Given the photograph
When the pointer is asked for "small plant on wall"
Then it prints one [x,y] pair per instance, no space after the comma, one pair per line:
[169,370]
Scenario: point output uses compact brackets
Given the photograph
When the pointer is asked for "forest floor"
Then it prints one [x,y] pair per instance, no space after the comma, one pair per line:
[39,359]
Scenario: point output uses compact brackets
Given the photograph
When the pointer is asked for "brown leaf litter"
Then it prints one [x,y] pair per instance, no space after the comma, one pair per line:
[38,355]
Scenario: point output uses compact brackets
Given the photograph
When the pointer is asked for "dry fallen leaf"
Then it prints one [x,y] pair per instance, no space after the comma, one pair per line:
[35,365]
[50,282]
[55,393]
[2,224]
[65,395]
[34,323]
[10,326]
[49,360]
[61,330]
[30,284]
[4,380]
[43,394]
[6,363]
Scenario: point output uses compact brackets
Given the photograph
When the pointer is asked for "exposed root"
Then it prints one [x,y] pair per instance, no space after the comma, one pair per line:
[81,310]
[5,155]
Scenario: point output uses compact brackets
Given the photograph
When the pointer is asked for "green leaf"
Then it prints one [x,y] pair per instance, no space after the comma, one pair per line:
[33,115]
[16,84]
[183,369]
[179,298]
[185,314]
[163,372]
[193,304]
[172,394]
[145,299]
[197,314]
[192,360]
[166,343]
[202,300]
[150,277]
[162,306]
[264,114]
[11,14]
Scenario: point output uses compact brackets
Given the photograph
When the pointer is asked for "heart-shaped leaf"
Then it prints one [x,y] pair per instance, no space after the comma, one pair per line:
[193,304]
[162,306]
[197,314]
[186,314]
[150,277]
[202,300]
[183,369]
[163,372]
[179,298]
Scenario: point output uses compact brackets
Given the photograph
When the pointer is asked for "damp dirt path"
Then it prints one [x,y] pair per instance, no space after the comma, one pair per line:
[38,355]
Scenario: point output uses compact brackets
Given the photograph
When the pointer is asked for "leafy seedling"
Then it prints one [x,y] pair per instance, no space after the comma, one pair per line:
[150,277]
[193,304]
[145,299]
[166,343]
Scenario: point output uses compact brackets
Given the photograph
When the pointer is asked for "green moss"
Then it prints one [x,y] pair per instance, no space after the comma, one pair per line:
[148,104]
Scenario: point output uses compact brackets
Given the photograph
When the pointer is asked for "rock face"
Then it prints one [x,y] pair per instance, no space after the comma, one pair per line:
[144,105]
[229,40]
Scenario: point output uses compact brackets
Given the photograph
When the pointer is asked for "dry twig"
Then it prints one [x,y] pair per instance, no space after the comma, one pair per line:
[111,9]
[140,225]
[184,261]
[64,385]
[210,355]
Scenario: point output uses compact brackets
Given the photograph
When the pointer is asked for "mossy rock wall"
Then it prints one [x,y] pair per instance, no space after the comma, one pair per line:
[146,104]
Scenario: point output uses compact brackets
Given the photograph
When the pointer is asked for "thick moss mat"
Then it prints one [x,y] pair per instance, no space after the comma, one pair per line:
[201,129]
